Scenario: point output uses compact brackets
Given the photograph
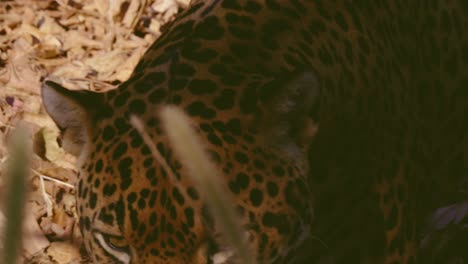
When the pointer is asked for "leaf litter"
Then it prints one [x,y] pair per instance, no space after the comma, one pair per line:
[83,44]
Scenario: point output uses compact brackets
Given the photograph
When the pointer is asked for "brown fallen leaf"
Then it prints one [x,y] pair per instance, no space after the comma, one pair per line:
[64,252]
[34,239]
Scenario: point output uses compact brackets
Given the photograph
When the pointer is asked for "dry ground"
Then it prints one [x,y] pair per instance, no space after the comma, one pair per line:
[83,44]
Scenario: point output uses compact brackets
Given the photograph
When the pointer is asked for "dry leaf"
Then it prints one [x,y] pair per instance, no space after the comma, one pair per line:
[63,252]
[83,43]
[53,152]
[34,239]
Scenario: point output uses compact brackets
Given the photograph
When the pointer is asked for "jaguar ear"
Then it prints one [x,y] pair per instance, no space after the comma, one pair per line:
[285,113]
[74,112]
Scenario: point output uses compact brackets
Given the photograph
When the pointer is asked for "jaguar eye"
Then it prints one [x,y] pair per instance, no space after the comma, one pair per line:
[116,246]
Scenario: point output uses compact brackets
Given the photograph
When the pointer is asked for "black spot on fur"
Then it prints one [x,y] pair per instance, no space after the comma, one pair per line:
[121,125]
[242,180]
[106,217]
[231,18]
[151,176]
[176,99]
[178,196]
[192,192]
[85,193]
[120,211]
[145,193]
[271,32]
[241,157]
[163,198]
[121,99]
[137,107]
[189,214]
[97,182]
[131,197]
[209,28]
[218,69]
[134,219]
[153,197]
[154,252]
[153,237]
[241,33]
[198,87]
[272,189]
[229,139]
[234,187]
[150,81]
[278,171]
[214,156]
[136,141]
[256,197]
[108,133]
[145,150]
[153,218]
[157,96]
[141,203]
[225,100]
[125,173]
[214,139]
[92,200]
[259,164]
[183,69]
[240,50]
[219,125]
[234,126]
[99,166]
[180,237]
[141,229]
[105,112]
[252,7]
[87,223]
[109,189]
[278,221]
[119,150]
[228,4]
[193,51]
[258,177]
[206,128]
[200,109]
[173,214]
[177,83]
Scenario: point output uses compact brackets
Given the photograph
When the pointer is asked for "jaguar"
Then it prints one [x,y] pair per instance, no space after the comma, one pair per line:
[386,82]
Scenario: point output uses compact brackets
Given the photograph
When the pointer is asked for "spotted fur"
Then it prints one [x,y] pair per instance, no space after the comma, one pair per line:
[386,80]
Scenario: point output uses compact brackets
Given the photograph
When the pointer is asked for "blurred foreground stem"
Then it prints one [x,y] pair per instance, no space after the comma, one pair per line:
[15,194]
